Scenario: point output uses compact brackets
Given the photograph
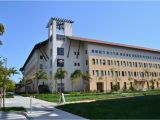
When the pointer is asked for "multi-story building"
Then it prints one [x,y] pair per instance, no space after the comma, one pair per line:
[108,63]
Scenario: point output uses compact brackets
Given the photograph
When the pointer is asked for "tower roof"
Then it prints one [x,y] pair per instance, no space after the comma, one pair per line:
[60,20]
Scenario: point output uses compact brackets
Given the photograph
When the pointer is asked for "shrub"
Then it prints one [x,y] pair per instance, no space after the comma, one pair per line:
[131,88]
[124,89]
[115,87]
[43,89]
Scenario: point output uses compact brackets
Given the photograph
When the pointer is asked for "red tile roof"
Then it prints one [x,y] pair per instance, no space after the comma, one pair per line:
[112,44]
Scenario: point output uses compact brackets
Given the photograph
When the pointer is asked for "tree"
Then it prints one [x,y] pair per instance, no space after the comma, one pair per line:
[25,81]
[5,73]
[1,31]
[60,74]
[115,79]
[85,77]
[39,75]
[75,76]
[10,87]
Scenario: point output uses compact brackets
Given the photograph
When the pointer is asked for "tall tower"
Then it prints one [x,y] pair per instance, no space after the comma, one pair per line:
[58,29]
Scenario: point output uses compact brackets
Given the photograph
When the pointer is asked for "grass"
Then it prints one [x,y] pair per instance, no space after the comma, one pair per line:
[141,107]
[13,109]
[78,96]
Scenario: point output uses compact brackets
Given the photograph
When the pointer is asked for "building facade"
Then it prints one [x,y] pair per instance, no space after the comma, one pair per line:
[108,63]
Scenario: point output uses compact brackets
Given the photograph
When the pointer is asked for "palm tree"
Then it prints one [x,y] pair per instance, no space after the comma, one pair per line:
[25,81]
[75,76]
[38,76]
[85,77]
[60,74]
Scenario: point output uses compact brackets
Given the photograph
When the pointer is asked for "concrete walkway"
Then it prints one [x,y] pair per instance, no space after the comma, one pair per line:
[41,109]
[12,116]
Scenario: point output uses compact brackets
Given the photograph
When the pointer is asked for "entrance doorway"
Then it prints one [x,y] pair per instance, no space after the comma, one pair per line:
[100,86]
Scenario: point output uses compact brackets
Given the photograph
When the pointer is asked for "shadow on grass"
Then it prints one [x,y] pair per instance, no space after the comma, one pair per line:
[12,109]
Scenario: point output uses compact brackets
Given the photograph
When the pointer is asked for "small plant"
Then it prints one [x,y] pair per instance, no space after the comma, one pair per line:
[124,89]
[115,87]
[131,88]
[152,85]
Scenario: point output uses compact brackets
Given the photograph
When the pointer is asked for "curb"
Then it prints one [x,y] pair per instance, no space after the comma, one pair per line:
[27,116]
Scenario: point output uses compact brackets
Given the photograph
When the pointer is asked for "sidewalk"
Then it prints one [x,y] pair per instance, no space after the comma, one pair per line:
[12,116]
[41,109]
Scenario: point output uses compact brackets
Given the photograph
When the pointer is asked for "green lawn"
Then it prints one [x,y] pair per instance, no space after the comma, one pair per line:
[77,96]
[141,107]
[13,109]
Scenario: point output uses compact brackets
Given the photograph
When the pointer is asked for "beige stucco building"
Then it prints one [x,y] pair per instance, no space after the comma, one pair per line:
[108,63]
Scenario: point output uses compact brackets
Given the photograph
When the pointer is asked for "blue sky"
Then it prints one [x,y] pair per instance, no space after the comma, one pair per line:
[135,23]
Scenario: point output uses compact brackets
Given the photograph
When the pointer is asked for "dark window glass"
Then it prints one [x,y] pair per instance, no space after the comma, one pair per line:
[60,51]
[86,52]
[41,57]
[41,66]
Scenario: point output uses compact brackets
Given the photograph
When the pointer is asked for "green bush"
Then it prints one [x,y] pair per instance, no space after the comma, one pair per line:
[131,88]
[115,87]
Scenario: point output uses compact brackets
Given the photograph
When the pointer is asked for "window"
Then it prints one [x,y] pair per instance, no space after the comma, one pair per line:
[122,73]
[102,73]
[148,85]
[104,62]
[118,85]
[125,85]
[111,85]
[41,66]
[60,51]
[93,72]
[76,64]
[92,51]
[131,84]
[60,37]
[97,72]
[96,61]
[86,52]
[93,62]
[86,62]
[60,64]
[41,57]
[108,62]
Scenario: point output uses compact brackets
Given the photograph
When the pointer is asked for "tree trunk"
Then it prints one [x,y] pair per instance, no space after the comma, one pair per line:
[56,86]
[37,87]
[3,95]
[84,90]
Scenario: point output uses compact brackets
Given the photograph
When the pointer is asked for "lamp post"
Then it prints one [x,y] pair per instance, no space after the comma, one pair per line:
[61,100]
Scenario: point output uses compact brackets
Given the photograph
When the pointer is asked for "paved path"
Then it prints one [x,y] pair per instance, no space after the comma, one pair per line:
[41,109]
[11,116]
